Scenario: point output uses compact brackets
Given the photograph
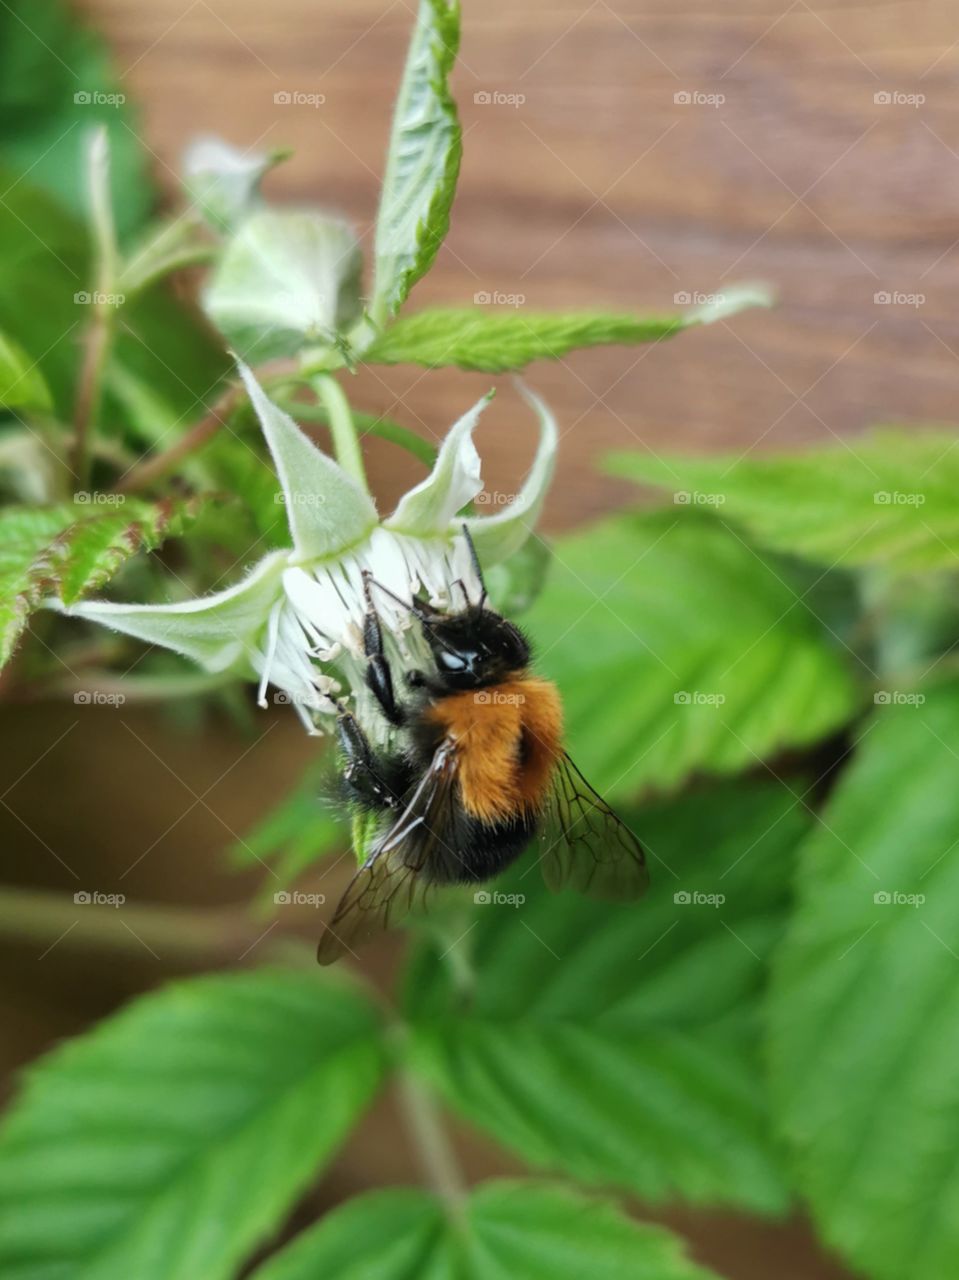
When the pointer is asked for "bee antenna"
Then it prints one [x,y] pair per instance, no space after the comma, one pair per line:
[370,581]
[474,559]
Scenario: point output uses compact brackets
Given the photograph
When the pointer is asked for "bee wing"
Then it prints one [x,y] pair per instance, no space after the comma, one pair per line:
[390,882]
[586,846]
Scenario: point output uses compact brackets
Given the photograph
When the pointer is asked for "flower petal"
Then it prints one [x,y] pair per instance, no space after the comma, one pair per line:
[326,510]
[287,280]
[218,631]
[454,481]
[497,537]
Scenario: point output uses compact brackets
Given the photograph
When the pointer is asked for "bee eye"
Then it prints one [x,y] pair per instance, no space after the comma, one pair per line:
[450,661]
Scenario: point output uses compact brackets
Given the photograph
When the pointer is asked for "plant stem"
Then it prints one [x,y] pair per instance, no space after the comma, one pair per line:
[147,472]
[101,327]
[436,1155]
[346,445]
[88,392]
[217,934]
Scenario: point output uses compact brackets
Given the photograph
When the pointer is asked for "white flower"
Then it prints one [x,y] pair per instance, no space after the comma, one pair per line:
[295,622]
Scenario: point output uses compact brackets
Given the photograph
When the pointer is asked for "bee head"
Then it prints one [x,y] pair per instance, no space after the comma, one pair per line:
[475,648]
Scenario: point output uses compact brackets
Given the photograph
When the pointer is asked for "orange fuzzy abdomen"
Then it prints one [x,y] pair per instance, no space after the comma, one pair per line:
[508,738]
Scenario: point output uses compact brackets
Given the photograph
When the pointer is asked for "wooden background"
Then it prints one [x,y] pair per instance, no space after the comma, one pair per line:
[599,188]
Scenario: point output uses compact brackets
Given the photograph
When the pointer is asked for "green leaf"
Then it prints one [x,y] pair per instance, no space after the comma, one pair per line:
[515,584]
[22,385]
[618,1043]
[864,1008]
[299,831]
[71,549]
[56,83]
[678,648]
[423,161]
[168,345]
[886,498]
[514,1228]
[221,631]
[327,509]
[172,1139]
[495,341]
[43,257]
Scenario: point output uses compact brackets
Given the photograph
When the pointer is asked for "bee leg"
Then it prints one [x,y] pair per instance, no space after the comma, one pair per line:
[363,772]
[379,677]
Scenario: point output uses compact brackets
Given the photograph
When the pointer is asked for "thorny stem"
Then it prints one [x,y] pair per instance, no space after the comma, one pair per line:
[346,446]
[425,1122]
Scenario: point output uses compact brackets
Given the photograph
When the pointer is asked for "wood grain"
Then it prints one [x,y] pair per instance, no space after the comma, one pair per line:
[599,187]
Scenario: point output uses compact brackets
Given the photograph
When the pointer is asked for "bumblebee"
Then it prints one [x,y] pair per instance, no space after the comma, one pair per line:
[481,772]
